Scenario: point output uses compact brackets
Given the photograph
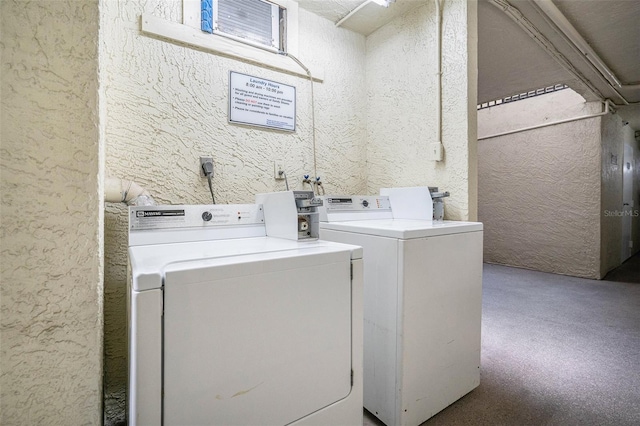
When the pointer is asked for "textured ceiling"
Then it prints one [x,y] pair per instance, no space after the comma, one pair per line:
[511,62]
[612,29]
[333,10]
[368,19]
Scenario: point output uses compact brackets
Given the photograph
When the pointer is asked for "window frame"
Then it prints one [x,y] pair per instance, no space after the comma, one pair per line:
[185,31]
[192,17]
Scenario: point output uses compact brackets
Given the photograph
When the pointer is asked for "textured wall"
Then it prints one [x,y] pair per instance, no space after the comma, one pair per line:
[51,248]
[614,136]
[635,225]
[166,105]
[401,110]
[560,105]
[539,190]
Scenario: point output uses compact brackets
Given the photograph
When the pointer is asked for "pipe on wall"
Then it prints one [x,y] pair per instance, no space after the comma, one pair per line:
[562,23]
[384,3]
[544,43]
[606,103]
[353,12]
[439,72]
[126,191]
[575,40]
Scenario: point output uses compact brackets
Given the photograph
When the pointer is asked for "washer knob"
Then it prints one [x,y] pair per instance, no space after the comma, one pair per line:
[207,216]
[365,203]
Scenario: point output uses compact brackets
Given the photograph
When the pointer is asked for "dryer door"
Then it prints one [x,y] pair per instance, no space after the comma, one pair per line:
[259,339]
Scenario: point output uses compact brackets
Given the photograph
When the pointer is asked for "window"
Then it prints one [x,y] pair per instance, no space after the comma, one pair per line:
[256,22]
[190,33]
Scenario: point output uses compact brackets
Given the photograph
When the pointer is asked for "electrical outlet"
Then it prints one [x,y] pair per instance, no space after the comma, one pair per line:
[278,170]
[203,161]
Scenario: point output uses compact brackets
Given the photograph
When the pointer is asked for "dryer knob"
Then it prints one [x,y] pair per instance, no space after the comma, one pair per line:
[365,203]
[207,216]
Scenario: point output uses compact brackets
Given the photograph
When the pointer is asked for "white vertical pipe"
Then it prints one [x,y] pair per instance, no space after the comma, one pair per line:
[439,72]
[313,117]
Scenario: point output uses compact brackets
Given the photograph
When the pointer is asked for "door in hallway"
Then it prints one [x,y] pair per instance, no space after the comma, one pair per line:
[627,201]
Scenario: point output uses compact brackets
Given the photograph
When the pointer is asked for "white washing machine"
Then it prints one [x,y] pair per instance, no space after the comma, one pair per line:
[422,304]
[230,327]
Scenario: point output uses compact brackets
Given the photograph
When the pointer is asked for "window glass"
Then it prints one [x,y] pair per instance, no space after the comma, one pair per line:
[253,21]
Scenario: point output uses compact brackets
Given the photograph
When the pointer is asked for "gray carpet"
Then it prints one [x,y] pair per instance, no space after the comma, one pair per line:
[556,350]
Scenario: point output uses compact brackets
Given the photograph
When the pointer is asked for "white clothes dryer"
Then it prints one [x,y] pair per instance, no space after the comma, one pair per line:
[230,327]
[422,303]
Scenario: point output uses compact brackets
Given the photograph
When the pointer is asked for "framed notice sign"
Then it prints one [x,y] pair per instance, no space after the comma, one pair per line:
[256,101]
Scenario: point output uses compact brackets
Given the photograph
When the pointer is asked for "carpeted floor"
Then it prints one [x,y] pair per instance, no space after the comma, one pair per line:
[556,350]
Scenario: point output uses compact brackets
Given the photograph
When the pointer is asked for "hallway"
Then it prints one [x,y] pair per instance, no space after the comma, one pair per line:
[628,272]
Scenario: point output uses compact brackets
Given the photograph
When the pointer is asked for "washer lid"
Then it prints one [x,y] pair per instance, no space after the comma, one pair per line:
[150,263]
[403,228]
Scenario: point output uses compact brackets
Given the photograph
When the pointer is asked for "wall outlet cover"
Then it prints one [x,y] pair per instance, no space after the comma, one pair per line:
[278,167]
[435,151]
[204,160]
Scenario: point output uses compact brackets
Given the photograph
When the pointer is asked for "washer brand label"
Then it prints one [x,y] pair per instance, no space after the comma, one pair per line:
[159,213]
[157,219]
[340,200]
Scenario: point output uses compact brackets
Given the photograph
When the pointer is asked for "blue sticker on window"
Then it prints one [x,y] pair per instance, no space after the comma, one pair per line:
[206,13]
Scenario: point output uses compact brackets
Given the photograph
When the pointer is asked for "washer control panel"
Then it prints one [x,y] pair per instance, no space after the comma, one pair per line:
[357,203]
[196,216]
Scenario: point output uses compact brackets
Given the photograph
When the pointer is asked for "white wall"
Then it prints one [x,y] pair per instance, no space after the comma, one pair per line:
[167,105]
[162,106]
[401,69]
[161,118]
[560,105]
[51,209]
[539,190]
[544,193]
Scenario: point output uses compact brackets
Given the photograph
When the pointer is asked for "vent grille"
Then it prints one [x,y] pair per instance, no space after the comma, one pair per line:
[250,19]
[521,96]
